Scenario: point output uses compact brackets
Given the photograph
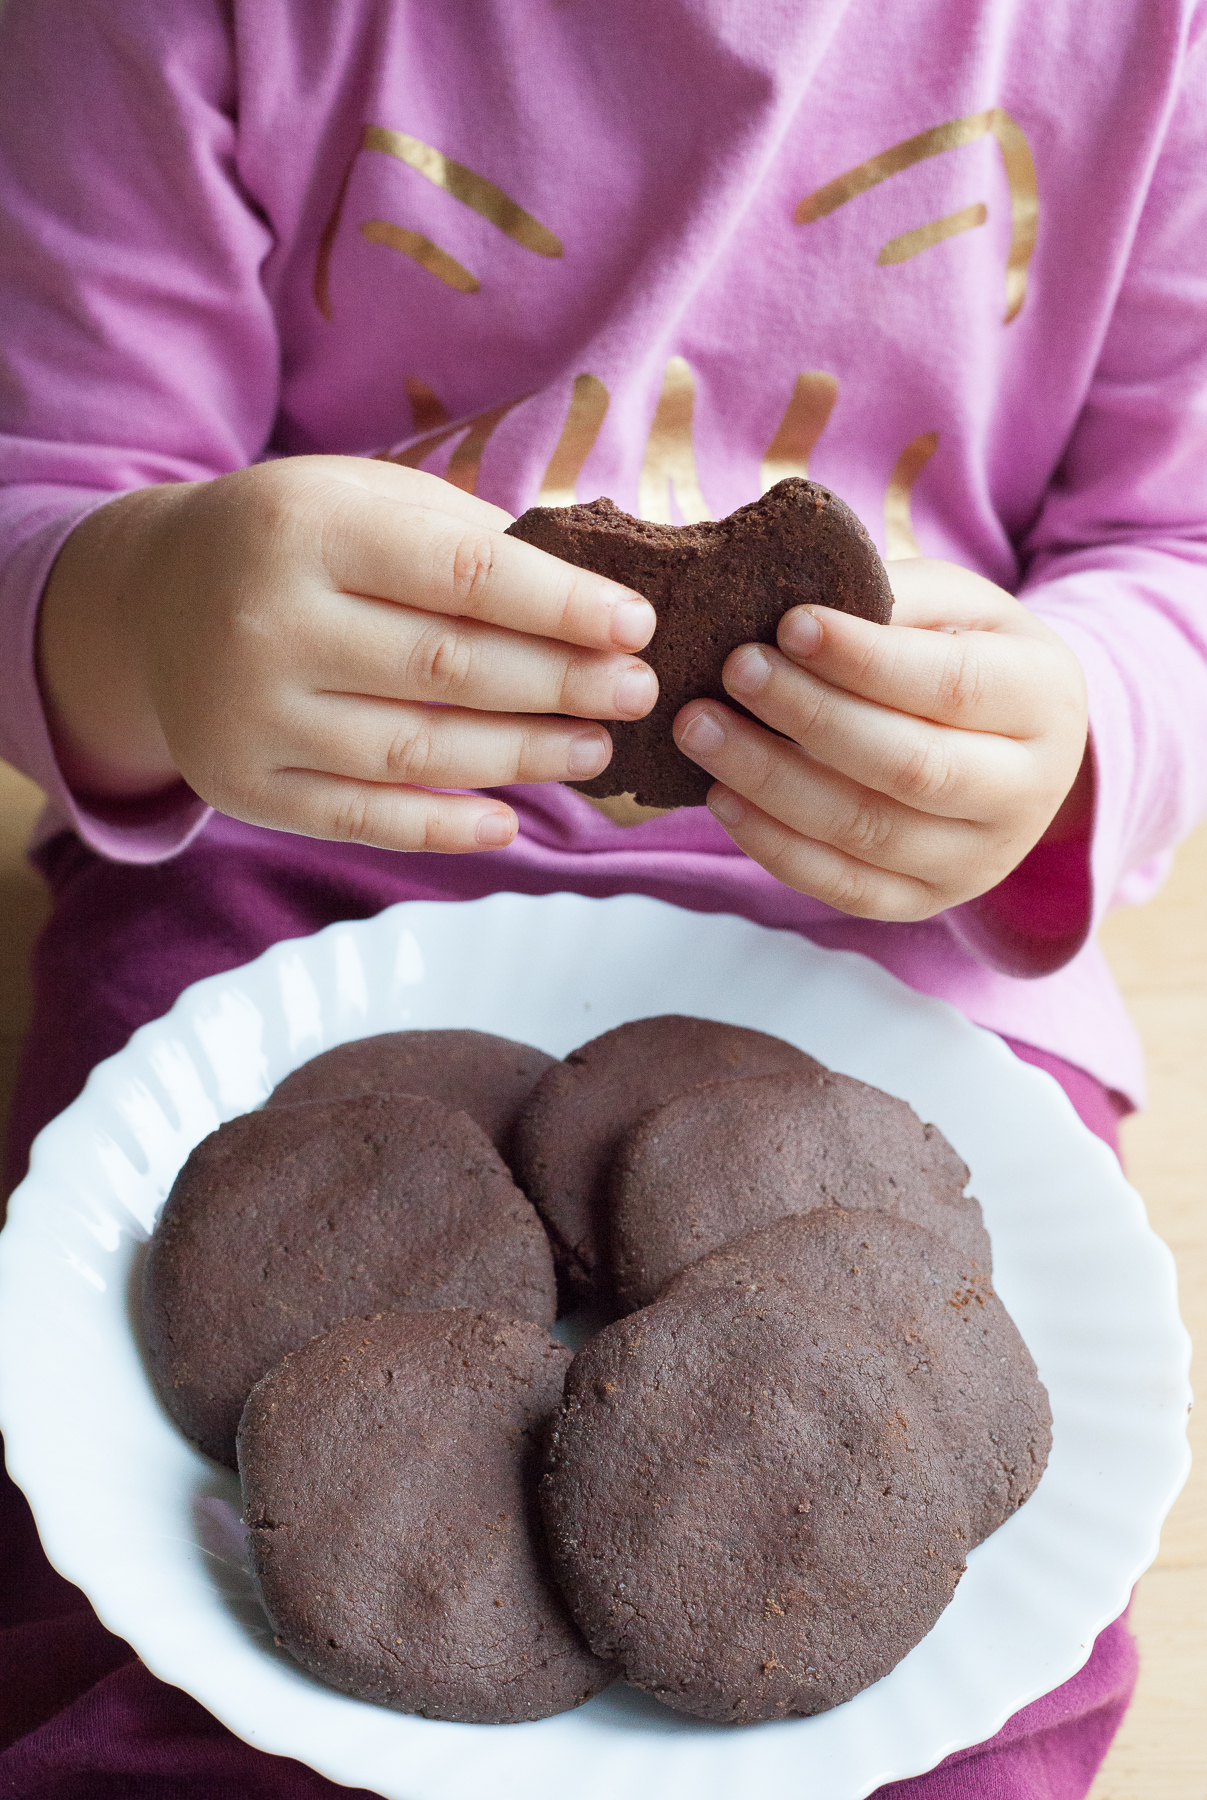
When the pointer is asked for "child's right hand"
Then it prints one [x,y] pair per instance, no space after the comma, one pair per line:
[278,636]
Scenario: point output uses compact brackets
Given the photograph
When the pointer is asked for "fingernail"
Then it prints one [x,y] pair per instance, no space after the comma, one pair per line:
[635,693]
[495,829]
[587,755]
[726,808]
[632,624]
[748,671]
[799,633]
[701,736]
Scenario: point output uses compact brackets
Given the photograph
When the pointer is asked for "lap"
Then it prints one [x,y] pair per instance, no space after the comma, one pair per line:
[81,1716]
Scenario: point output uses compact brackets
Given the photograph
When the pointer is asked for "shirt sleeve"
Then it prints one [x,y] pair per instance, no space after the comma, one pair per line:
[1116,562]
[139,344]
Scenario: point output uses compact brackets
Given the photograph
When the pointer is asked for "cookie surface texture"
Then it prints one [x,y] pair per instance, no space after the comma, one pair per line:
[903,1292]
[713,586]
[581,1109]
[488,1077]
[712,1164]
[283,1222]
[750,1522]
[389,1473]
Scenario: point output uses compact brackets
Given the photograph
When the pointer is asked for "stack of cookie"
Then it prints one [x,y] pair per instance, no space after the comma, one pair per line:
[761,1489]
[749,1494]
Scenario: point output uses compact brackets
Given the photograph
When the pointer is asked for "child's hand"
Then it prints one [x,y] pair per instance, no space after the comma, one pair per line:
[926,757]
[277,637]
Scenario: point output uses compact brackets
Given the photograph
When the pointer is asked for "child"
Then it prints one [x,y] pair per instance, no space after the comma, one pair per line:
[326,294]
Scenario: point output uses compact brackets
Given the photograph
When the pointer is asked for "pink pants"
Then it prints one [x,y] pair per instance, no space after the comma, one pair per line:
[80,1717]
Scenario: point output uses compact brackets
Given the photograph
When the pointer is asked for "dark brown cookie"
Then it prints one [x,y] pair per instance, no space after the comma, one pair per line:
[580,1110]
[901,1291]
[389,1473]
[751,1522]
[283,1222]
[713,586]
[715,1163]
[488,1077]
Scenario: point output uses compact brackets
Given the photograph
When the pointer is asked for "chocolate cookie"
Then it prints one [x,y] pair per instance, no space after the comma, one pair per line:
[389,1473]
[901,1291]
[488,1077]
[581,1109]
[713,586]
[283,1222]
[715,1163]
[750,1521]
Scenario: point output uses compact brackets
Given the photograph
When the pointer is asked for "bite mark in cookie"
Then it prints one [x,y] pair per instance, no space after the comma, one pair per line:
[713,586]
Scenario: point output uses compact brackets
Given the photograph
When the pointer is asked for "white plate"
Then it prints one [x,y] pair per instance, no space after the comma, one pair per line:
[149,1529]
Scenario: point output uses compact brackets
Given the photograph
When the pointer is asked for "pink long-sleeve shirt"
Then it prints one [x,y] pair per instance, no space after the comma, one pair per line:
[951,255]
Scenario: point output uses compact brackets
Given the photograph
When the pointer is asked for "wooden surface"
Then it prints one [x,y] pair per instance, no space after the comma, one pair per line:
[1159,955]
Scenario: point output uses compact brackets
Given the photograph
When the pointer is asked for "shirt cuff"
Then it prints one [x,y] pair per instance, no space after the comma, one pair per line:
[1037,919]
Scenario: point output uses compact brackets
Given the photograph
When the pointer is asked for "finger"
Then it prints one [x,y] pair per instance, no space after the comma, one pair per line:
[397,653]
[936,768]
[424,746]
[420,557]
[983,679]
[816,802]
[390,818]
[411,487]
[809,867]
[935,595]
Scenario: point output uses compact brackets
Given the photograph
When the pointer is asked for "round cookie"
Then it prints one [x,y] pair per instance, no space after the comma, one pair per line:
[713,586]
[580,1110]
[388,1474]
[283,1222]
[488,1077]
[752,1523]
[902,1291]
[713,1164]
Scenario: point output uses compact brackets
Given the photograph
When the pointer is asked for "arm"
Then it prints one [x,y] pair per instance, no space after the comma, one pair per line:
[270,639]
[1114,571]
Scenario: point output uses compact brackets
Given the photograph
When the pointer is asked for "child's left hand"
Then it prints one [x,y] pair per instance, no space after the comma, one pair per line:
[919,762]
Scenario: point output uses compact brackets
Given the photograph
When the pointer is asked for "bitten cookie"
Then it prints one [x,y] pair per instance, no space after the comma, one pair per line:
[488,1077]
[715,1163]
[581,1109]
[713,586]
[283,1222]
[751,1522]
[389,1472]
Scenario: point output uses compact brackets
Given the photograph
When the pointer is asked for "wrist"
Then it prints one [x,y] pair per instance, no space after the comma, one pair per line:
[1074,817]
[92,653]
